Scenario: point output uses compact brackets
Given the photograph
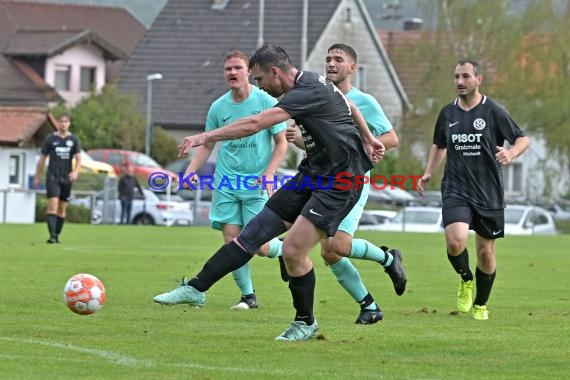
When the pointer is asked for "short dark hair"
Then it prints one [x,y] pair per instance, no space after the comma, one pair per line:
[269,56]
[346,48]
[476,66]
[237,54]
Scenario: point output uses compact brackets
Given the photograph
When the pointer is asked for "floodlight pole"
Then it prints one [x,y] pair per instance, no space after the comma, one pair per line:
[148,135]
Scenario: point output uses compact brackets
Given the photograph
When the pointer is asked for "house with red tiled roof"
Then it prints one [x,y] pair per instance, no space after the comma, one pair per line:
[50,53]
[53,52]
[22,130]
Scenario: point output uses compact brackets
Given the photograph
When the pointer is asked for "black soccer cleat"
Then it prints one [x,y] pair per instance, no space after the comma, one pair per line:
[52,241]
[246,303]
[368,317]
[396,272]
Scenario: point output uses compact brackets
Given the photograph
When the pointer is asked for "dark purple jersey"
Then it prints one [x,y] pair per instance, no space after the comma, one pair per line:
[60,152]
[331,137]
[471,138]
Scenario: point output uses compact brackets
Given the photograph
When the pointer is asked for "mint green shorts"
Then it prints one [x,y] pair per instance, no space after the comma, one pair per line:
[235,207]
[350,223]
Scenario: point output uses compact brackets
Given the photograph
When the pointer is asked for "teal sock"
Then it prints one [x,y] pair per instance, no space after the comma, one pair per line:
[347,276]
[275,248]
[363,249]
[242,277]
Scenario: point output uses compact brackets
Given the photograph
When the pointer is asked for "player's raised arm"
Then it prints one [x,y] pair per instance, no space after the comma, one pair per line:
[240,128]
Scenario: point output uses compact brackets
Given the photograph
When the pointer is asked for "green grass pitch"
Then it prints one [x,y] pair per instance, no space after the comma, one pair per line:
[527,336]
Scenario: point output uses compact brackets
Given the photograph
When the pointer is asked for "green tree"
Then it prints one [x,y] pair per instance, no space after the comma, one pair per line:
[525,54]
[111,120]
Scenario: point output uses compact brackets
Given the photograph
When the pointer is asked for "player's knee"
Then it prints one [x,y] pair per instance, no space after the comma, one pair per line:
[263,250]
[486,253]
[455,245]
[329,256]
[264,227]
[339,246]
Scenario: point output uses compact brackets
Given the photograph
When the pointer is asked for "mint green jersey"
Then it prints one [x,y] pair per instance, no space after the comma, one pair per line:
[248,156]
[378,124]
[371,110]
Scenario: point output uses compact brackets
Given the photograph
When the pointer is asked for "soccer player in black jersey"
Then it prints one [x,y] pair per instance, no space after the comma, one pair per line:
[61,147]
[340,66]
[333,145]
[471,131]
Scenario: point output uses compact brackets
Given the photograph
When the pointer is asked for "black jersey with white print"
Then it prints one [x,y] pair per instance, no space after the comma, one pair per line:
[60,151]
[332,141]
[471,138]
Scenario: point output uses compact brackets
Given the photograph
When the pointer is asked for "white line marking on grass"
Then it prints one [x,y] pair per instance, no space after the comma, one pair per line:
[43,357]
[120,359]
[108,355]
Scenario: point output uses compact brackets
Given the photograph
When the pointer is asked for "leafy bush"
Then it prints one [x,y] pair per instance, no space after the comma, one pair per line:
[75,214]
[111,119]
[563,226]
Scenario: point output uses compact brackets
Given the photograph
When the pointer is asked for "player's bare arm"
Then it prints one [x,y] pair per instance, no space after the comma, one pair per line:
[39,168]
[279,151]
[505,156]
[374,147]
[243,127]
[436,156]
[293,135]
[75,172]
[389,139]
[200,157]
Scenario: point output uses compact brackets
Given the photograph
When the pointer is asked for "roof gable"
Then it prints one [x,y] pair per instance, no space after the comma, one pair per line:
[194,39]
[68,25]
[18,125]
[114,24]
[47,43]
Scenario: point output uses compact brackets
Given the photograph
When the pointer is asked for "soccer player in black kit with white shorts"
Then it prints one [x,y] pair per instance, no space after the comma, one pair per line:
[61,147]
[471,130]
[334,145]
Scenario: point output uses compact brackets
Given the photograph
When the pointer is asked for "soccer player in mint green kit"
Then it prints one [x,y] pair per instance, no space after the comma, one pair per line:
[340,66]
[236,201]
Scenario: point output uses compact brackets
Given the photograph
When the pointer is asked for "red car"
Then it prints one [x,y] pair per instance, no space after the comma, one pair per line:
[143,165]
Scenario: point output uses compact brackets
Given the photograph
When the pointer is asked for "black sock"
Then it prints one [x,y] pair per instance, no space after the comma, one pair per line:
[227,259]
[461,265]
[59,225]
[51,220]
[366,301]
[484,284]
[303,293]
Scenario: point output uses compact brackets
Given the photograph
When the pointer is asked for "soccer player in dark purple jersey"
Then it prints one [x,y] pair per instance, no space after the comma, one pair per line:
[61,147]
[471,131]
[334,144]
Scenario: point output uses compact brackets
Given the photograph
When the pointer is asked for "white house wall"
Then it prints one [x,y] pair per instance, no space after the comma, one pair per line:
[546,173]
[17,204]
[357,35]
[76,57]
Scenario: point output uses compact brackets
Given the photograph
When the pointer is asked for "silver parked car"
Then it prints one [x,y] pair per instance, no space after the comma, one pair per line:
[528,220]
[154,209]
[414,219]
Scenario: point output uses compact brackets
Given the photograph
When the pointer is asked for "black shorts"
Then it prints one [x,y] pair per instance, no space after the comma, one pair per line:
[489,224]
[317,200]
[56,188]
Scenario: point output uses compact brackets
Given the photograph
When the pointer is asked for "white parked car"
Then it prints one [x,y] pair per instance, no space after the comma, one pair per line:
[155,209]
[528,220]
[414,219]
[371,219]
[559,210]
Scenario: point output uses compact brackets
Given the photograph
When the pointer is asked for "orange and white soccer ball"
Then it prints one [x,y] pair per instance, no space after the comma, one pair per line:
[84,294]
